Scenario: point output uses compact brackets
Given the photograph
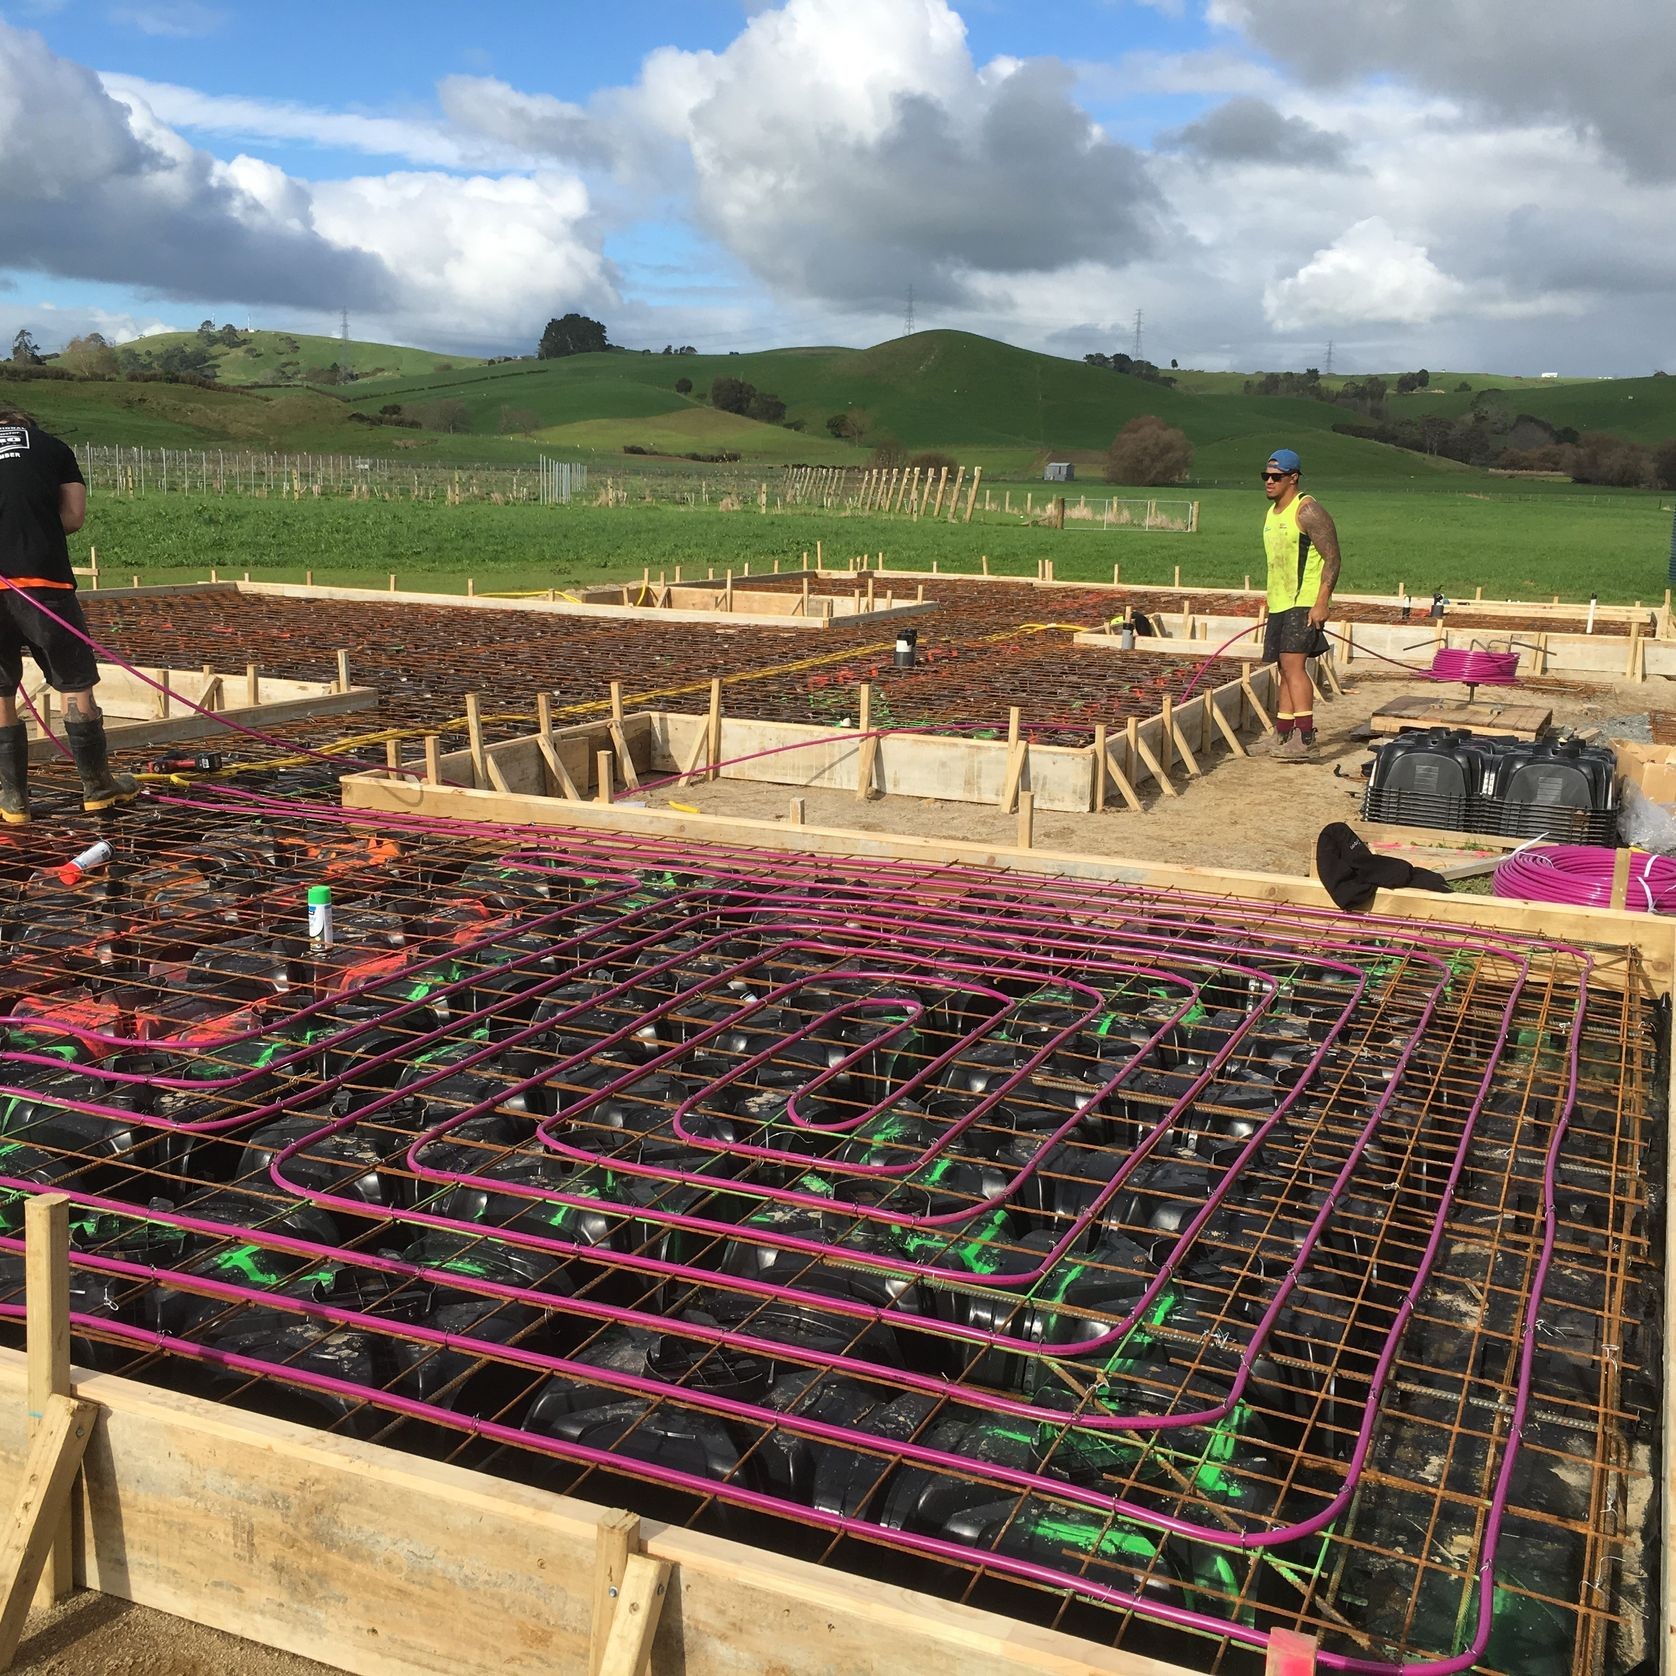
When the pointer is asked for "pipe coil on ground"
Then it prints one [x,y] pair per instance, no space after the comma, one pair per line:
[1479,668]
[1580,876]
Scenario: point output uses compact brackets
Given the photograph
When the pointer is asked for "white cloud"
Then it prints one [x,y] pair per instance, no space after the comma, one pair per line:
[475,258]
[287,122]
[1368,274]
[95,185]
[170,19]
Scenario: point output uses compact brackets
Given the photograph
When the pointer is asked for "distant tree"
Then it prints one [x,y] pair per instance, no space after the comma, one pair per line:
[1407,382]
[766,408]
[888,454]
[571,334]
[854,424]
[1423,377]
[686,349]
[92,356]
[669,349]
[731,395]
[933,460]
[230,335]
[450,415]
[190,358]
[683,386]
[1664,462]
[1147,450]
[1463,388]
[1175,365]
[332,374]
[517,421]
[206,328]
[24,352]
[391,410]
[1614,461]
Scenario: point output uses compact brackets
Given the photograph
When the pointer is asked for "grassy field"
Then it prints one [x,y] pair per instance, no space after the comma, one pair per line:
[1567,542]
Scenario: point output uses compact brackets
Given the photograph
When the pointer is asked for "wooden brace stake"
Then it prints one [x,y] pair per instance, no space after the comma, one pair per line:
[474,737]
[620,739]
[1154,766]
[47,1342]
[55,1453]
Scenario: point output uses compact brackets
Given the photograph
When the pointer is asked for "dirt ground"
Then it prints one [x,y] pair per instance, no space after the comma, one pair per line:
[99,1635]
[1241,813]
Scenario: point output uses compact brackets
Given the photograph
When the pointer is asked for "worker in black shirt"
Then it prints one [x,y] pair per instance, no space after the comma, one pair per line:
[42,499]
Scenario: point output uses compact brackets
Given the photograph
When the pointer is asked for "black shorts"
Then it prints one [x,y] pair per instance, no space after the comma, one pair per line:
[65,657]
[1292,631]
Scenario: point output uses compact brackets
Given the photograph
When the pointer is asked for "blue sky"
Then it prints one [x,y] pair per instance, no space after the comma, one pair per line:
[1401,178]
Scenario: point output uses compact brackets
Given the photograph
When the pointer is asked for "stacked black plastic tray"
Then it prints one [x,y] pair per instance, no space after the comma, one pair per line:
[1561,790]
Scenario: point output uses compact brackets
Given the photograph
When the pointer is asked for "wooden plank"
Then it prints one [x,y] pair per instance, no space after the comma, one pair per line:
[1519,719]
[46,1279]
[1249,689]
[385,1564]
[1644,933]
[1154,766]
[619,1541]
[1235,744]
[625,757]
[1121,780]
[1026,820]
[867,753]
[639,1606]
[184,725]
[1097,769]
[40,1511]
[567,787]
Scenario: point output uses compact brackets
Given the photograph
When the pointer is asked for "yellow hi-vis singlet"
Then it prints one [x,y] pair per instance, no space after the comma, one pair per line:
[1294,563]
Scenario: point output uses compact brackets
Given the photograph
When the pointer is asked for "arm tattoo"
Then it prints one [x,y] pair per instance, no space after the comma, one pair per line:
[1315,523]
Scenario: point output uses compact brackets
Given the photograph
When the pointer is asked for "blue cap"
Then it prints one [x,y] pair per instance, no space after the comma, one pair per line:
[1286,459]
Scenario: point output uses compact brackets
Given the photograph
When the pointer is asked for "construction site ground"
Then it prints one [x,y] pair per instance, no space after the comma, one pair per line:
[1242,813]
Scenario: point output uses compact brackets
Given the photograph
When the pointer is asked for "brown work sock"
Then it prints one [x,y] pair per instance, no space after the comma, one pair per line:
[1304,722]
[1283,724]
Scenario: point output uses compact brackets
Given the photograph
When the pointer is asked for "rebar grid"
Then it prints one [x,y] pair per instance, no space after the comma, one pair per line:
[981,657]
[1165,1268]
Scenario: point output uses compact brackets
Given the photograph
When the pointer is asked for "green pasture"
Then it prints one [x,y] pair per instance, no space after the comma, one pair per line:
[1532,546]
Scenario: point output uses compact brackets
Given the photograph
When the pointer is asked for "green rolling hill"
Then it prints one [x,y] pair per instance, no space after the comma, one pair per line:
[288,357]
[989,404]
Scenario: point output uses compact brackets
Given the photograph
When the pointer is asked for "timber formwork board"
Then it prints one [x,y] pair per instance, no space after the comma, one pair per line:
[163,706]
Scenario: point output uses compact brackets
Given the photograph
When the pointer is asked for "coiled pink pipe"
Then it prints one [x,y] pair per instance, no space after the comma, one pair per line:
[1580,876]
[1477,668]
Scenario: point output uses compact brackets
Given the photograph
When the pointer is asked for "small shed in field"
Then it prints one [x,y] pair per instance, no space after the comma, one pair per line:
[1059,471]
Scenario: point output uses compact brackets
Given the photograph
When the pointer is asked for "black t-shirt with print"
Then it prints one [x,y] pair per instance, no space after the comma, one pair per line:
[34,466]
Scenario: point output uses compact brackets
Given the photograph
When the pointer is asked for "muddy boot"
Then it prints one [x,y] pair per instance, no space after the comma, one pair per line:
[100,788]
[14,772]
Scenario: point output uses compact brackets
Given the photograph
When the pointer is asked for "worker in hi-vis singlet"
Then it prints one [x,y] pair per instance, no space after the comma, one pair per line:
[1302,549]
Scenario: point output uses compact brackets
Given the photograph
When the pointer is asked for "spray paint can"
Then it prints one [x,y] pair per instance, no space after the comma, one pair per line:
[1126,636]
[907,648]
[95,855]
[320,918]
[1439,606]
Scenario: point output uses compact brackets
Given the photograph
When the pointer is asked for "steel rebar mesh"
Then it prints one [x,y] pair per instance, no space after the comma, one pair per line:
[1165,1268]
